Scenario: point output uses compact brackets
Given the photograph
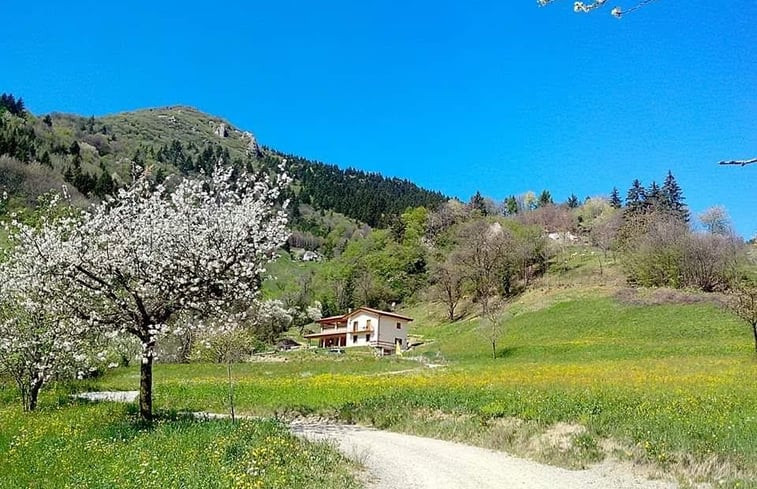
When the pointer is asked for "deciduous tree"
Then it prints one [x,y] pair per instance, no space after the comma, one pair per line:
[133,263]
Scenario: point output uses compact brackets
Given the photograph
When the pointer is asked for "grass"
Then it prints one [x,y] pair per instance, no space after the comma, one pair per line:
[670,386]
[580,375]
[103,446]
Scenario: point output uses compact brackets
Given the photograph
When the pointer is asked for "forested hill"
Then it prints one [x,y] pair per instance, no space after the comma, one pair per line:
[94,155]
[368,197]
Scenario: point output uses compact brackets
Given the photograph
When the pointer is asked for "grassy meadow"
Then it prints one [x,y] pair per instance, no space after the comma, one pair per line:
[662,380]
[81,445]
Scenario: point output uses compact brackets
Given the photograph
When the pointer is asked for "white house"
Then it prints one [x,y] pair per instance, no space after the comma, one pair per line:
[363,327]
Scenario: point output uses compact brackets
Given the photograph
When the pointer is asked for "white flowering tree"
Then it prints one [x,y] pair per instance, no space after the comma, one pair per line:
[135,262]
[586,7]
[36,342]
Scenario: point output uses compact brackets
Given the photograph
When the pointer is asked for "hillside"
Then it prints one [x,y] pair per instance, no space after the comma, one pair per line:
[95,155]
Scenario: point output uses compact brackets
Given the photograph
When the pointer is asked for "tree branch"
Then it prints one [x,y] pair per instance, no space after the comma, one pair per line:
[738,162]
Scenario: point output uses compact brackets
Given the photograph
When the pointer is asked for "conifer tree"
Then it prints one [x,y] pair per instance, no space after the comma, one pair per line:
[572,201]
[477,203]
[636,197]
[615,201]
[673,197]
[655,199]
[511,205]
[545,198]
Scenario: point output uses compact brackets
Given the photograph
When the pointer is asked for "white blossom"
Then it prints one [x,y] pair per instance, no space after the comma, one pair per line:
[136,261]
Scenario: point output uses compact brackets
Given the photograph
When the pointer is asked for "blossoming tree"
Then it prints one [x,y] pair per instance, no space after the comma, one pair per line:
[36,342]
[586,7]
[136,261]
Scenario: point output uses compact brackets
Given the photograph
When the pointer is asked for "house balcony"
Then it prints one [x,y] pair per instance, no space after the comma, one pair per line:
[338,331]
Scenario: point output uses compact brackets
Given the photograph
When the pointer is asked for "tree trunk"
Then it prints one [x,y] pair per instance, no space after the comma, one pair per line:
[754,332]
[494,350]
[33,395]
[231,392]
[145,384]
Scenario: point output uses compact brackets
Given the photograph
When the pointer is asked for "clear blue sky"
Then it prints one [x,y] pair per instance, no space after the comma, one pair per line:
[497,96]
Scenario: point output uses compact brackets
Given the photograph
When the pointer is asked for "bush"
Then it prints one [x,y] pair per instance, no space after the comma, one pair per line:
[661,251]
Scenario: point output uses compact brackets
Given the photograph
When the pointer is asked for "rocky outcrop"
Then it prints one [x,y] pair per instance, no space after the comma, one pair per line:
[253,148]
[221,130]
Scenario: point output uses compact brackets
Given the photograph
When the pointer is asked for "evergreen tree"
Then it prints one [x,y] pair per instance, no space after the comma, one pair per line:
[104,185]
[48,121]
[160,176]
[636,197]
[45,159]
[74,149]
[654,198]
[11,104]
[477,203]
[572,202]
[511,205]
[615,198]
[672,196]
[545,198]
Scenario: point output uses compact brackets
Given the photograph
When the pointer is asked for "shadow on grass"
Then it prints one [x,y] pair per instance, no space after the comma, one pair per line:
[507,352]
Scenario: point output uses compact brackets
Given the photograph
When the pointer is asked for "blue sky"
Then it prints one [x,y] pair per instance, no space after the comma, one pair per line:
[497,96]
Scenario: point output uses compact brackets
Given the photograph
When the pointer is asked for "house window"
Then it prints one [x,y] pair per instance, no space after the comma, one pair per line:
[354,338]
[399,325]
[367,337]
[354,325]
[367,324]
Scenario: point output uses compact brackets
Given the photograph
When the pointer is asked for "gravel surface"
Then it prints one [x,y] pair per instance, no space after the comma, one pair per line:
[113,396]
[395,460]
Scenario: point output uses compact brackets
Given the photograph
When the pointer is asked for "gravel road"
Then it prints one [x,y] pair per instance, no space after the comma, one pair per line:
[396,461]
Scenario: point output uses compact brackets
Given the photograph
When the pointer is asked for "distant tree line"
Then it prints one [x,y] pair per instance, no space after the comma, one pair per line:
[12,104]
[368,197]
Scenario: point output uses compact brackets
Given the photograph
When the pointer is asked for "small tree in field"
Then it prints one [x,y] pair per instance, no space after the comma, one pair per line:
[35,344]
[448,280]
[37,341]
[139,260]
[493,326]
[744,304]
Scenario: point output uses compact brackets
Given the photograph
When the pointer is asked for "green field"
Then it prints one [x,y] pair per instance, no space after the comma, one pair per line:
[103,446]
[669,385]
[665,380]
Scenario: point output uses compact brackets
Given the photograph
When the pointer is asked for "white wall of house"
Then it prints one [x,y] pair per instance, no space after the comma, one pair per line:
[391,329]
[365,321]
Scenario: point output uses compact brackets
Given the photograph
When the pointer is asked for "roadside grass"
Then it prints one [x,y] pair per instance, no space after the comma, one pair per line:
[80,445]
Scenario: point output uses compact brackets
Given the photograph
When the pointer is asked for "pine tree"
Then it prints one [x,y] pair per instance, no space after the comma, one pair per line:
[673,198]
[655,199]
[104,185]
[636,197]
[477,203]
[511,205]
[615,198]
[45,159]
[545,198]
[572,202]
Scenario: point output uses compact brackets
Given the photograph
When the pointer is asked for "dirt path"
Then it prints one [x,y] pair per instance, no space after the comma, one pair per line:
[396,460]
